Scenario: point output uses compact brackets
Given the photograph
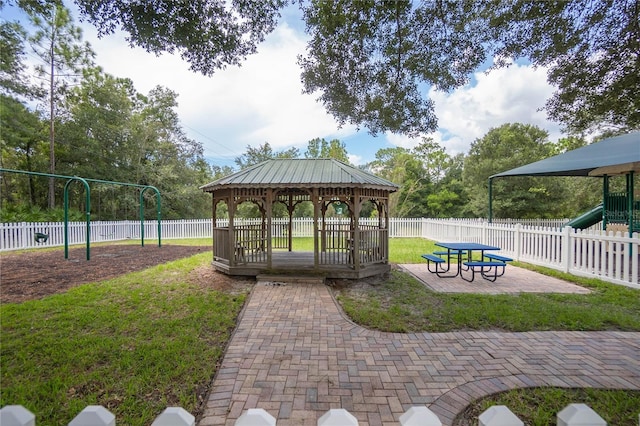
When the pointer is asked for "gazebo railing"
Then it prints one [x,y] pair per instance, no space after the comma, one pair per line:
[335,245]
[221,243]
[250,244]
[338,245]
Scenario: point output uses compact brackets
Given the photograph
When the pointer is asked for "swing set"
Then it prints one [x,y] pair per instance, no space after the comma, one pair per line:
[42,237]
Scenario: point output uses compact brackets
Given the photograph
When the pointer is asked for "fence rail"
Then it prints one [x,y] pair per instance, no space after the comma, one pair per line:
[611,256]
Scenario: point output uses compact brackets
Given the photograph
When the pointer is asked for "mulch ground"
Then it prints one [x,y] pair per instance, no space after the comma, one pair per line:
[35,274]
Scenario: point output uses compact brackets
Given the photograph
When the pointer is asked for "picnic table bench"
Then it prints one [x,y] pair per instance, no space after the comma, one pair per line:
[488,270]
[437,261]
[497,257]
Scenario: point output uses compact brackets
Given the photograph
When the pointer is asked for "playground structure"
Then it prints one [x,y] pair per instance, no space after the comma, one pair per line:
[612,157]
[619,212]
[43,237]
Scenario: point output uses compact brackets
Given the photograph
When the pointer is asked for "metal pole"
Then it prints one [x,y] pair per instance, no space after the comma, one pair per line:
[87,192]
[158,214]
[142,217]
[88,201]
[490,218]
[605,201]
[630,201]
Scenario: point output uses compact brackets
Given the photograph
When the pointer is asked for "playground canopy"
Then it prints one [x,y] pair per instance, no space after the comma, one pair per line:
[619,155]
[616,155]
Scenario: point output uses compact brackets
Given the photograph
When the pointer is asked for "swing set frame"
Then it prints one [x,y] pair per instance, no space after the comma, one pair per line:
[87,190]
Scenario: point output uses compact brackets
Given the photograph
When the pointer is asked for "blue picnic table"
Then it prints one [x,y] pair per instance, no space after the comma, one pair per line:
[490,269]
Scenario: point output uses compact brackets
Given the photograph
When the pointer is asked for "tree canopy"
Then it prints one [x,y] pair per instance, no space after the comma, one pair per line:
[372,62]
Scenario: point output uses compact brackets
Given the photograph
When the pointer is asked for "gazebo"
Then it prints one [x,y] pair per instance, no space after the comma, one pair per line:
[342,247]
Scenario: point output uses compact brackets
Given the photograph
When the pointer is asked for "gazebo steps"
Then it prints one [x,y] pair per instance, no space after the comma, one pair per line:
[297,279]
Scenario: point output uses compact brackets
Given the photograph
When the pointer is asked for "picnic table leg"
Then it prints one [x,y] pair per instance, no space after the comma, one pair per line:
[495,274]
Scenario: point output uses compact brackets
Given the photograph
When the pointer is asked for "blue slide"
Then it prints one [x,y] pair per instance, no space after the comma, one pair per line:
[587,219]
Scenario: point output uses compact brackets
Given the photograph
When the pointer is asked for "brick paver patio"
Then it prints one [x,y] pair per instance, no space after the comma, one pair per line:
[296,356]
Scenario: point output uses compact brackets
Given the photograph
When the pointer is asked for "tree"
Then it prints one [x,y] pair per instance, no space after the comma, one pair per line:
[320,148]
[13,80]
[96,138]
[401,167]
[504,148]
[22,147]
[262,153]
[368,59]
[209,34]
[168,159]
[592,50]
[57,43]
[583,193]
[357,60]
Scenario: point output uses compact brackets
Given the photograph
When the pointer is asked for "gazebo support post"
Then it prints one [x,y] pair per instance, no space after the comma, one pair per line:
[268,212]
[315,199]
[290,208]
[356,228]
[231,205]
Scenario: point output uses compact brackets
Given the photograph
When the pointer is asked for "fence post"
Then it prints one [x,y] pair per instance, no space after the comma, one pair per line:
[256,417]
[419,416]
[565,245]
[337,417]
[485,232]
[579,414]
[174,416]
[499,415]
[518,241]
[23,235]
[16,415]
[94,415]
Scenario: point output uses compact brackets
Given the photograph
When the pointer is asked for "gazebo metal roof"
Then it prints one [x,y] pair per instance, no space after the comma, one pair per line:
[621,152]
[301,173]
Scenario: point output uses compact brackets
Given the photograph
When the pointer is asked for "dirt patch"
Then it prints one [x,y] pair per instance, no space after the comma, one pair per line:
[35,274]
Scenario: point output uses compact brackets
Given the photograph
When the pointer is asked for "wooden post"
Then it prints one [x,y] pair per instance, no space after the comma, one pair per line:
[315,199]
[269,214]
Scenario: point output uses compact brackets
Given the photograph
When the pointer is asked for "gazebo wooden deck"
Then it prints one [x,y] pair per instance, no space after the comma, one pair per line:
[342,249]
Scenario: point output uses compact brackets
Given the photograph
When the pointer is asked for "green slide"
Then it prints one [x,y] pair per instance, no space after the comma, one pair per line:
[587,219]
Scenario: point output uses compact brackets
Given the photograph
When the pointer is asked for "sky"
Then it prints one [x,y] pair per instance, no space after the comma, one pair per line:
[262,101]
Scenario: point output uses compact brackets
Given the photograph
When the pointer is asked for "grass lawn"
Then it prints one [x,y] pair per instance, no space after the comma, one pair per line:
[135,344]
[150,339]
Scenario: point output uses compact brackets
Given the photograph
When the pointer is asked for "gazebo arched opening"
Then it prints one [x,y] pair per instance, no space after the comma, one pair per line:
[344,246]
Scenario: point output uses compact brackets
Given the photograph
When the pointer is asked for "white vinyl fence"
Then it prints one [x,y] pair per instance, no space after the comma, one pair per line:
[612,257]
[497,415]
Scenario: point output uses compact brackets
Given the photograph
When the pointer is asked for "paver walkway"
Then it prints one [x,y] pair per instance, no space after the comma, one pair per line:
[295,355]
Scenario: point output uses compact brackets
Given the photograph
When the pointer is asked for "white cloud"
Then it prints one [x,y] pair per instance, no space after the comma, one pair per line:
[507,95]
[261,101]
[355,159]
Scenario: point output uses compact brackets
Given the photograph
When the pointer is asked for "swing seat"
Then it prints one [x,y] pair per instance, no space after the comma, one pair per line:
[40,237]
